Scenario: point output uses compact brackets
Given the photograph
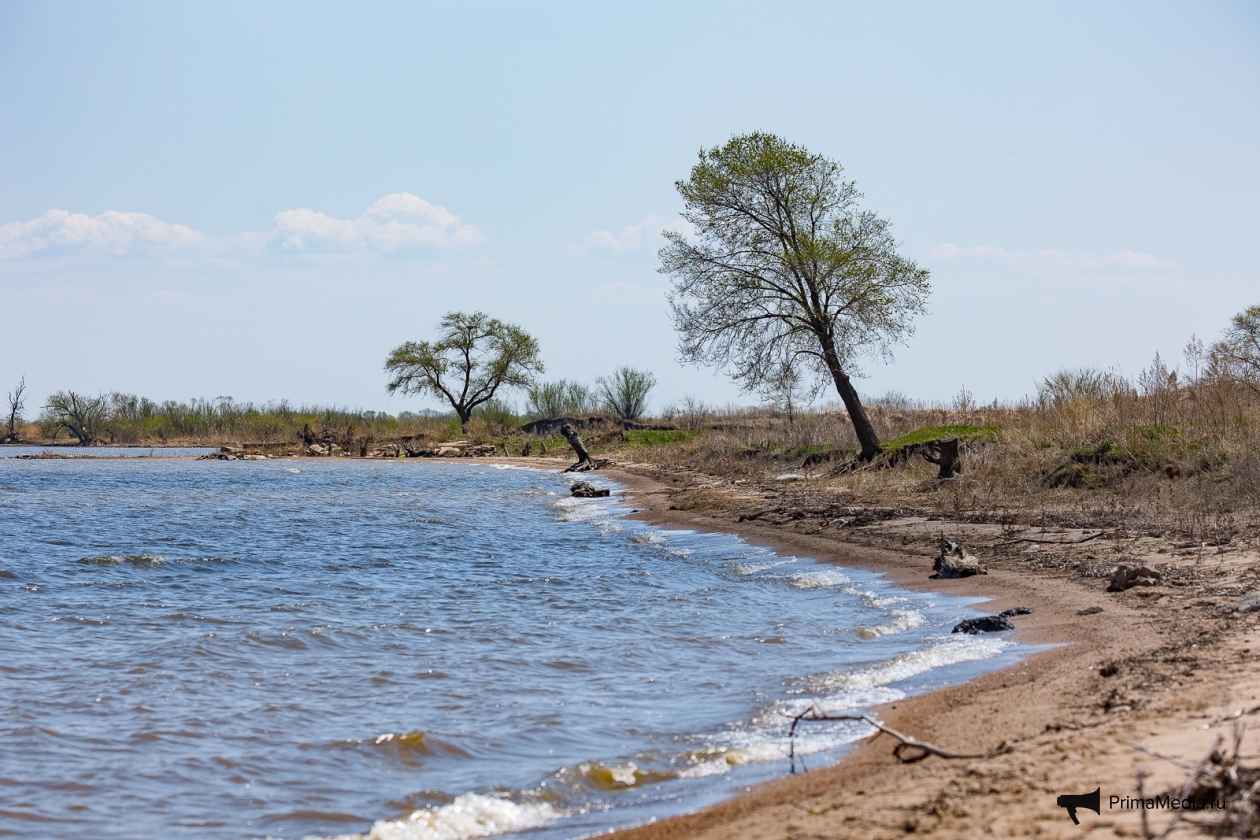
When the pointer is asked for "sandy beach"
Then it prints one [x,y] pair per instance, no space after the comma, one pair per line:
[1169,668]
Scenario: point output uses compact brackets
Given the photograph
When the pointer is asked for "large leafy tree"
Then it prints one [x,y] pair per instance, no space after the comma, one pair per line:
[784,271]
[473,357]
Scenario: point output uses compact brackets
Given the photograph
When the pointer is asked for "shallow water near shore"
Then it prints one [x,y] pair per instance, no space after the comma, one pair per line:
[412,650]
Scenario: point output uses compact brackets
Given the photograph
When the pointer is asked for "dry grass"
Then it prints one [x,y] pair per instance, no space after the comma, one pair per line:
[1159,457]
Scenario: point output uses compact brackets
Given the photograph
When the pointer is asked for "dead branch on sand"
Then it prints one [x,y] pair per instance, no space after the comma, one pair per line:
[925,749]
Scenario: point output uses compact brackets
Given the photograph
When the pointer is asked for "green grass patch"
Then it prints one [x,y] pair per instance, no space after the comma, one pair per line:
[927,433]
[659,437]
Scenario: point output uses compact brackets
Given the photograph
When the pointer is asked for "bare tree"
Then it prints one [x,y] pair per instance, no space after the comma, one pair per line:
[82,416]
[474,356]
[17,402]
[785,388]
[783,268]
[626,391]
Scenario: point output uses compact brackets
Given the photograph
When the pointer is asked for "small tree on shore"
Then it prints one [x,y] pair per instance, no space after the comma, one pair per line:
[82,416]
[563,398]
[1237,355]
[626,391]
[473,357]
[17,402]
[783,268]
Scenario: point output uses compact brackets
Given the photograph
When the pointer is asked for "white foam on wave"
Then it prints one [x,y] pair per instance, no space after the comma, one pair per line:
[652,538]
[910,664]
[822,578]
[522,468]
[753,568]
[468,816]
[882,601]
[902,621]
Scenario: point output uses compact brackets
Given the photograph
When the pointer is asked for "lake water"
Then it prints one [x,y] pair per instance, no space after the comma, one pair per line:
[411,651]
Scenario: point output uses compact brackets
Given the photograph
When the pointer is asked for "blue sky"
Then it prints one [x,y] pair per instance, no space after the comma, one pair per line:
[262,199]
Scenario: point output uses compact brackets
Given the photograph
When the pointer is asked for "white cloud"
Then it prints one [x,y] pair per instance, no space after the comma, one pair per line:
[112,233]
[632,237]
[1050,257]
[395,224]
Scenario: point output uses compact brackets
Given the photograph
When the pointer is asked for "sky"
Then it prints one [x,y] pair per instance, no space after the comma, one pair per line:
[260,200]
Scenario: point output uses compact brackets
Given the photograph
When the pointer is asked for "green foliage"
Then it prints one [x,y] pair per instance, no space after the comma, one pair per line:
[549,400]
[625,392]
[1237,355]
[499,416]
[928,433]
[474,356]
[783,272]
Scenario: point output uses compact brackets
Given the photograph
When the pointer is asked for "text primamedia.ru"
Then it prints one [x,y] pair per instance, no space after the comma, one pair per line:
[1166,803]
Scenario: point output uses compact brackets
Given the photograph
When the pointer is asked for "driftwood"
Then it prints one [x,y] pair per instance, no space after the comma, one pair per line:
[1054,542]
[585,461]
[924,748]
[946,454]
[955,562]
[571,435]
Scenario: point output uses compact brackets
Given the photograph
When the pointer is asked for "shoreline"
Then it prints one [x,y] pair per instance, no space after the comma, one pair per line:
[1169,668]
[1053,721]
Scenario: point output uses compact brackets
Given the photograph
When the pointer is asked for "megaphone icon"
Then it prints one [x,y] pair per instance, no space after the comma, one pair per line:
[1072,801]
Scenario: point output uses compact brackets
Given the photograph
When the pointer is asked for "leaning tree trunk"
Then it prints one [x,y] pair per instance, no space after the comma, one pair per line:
[571,435]
[861,423]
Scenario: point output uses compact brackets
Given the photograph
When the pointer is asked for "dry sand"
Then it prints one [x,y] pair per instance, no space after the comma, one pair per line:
[1159,667]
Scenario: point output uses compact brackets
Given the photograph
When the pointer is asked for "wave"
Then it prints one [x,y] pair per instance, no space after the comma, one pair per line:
[150,560]
[120,559]
[469,816]
[950,651]
[901,621]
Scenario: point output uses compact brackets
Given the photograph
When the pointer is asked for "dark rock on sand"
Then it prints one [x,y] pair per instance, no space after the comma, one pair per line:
[1246,604]
[985,624]
[586,490]
[1090,611]
[1016,611]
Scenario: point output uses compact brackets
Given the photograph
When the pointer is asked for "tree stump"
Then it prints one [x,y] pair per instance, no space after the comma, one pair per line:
[943,453]
[571,435]
[585,461]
